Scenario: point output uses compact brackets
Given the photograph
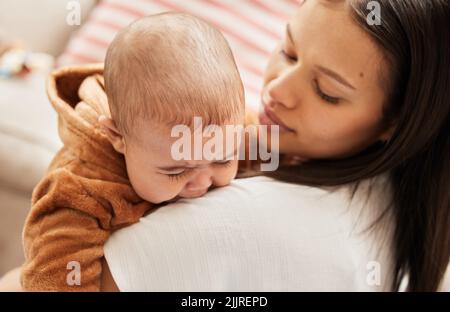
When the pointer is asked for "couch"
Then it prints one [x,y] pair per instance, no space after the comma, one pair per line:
[28,135]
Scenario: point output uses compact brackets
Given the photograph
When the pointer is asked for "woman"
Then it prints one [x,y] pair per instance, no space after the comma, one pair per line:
[410,84]
[358,100]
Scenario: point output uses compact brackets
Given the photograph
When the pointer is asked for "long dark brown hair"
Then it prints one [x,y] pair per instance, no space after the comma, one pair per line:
[414,36]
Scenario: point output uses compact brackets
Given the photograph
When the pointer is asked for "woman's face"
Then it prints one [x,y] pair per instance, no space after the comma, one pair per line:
[323,84]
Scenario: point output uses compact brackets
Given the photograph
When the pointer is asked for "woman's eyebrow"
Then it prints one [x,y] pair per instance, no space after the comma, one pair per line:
[322,69]
[335,76]
[289,34]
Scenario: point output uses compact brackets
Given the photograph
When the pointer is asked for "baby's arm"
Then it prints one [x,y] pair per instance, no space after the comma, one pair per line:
[107,281]
[64,248]
[67,227]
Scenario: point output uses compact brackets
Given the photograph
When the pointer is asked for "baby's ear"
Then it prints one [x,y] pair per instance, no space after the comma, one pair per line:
[112,133]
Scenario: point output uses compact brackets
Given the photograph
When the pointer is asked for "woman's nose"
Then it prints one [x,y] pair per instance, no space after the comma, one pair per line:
[282,90]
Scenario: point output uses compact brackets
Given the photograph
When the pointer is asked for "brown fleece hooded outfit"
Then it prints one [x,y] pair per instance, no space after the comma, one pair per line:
[85,194]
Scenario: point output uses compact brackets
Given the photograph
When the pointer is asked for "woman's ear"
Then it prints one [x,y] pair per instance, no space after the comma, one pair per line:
[386,135]
[113,134]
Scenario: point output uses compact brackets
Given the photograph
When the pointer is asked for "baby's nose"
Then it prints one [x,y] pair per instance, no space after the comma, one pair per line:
[201,181]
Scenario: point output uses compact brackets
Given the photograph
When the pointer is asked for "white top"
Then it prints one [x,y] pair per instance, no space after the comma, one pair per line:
[259,234]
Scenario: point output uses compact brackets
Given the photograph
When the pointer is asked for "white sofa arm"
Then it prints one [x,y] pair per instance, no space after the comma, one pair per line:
[41,25]
[28,131]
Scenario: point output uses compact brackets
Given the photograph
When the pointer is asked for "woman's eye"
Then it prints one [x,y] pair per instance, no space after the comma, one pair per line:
[324,96]
[287,56]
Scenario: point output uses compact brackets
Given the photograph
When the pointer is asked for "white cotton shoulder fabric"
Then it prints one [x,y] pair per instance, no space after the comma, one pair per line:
[259,234]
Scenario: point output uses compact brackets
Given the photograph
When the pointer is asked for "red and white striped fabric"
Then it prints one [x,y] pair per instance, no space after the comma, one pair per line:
[252,27]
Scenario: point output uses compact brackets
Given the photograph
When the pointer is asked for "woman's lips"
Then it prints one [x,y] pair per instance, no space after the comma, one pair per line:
[267,117]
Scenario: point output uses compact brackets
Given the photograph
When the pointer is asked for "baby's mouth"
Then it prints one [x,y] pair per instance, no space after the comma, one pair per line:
[194,194]
[267,117]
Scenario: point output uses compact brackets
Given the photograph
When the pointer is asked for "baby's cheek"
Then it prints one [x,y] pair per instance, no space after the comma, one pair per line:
[226,175]
[164,189]
[155,189]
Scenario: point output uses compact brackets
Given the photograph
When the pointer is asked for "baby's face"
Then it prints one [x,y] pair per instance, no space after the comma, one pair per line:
[157,177]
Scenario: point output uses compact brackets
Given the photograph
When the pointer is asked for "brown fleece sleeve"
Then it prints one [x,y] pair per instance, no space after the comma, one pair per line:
[67,227]
[64,250]
[85,195]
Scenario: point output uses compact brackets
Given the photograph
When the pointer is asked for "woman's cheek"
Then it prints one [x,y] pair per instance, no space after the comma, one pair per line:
[318,135]
[339,139]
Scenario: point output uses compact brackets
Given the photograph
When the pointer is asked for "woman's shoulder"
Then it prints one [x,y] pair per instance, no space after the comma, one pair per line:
[374,192]
[256,234]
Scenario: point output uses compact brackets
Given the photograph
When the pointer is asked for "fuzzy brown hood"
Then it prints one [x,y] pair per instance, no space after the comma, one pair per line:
[77,94]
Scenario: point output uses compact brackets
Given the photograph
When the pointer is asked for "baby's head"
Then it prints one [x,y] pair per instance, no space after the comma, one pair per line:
[162,71]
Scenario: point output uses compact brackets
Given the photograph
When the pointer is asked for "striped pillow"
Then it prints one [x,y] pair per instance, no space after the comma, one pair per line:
[252,27]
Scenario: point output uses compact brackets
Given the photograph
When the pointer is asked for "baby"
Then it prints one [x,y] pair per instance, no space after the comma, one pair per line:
[167,78]
[117,160]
